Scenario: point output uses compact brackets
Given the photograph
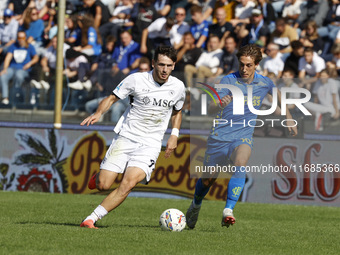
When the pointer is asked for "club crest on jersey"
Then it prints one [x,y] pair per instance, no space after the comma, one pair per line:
[146,100]
[118,87]
[171,92]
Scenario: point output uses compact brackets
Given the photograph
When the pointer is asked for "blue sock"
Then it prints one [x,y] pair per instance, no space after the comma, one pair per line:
[200,192]
[235,187]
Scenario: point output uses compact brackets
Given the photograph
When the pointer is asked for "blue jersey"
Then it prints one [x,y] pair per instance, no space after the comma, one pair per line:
[198,30]
[21,55]
[92,39]
[234,126]
[126,56]
[36,30]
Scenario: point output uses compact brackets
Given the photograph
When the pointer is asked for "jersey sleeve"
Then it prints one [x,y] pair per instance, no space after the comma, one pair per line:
[126,87]
[271,85]
[179,104]
[224,91]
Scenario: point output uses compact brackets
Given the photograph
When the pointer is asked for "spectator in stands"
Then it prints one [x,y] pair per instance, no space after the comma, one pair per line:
[243,12]
[106,88]
[99,12]
[222,28]
[268,12]
[332,70]
[326,100]
[336,58]
[207,64]
[188,54]
[257,30]
[310,38]
[142,15]
[48,72]
[72,32]
[179,28]
[229,60]
[288,81]
[103,81]
[77,68]
[291,10]
[333,19]
[3,6]
[310,66]
[20,58]
[48,64]
[122,12]
[200,26]
[314,10]
[101,69]
[18,7]
[91,41]
[34,28]
[207,7]
[120,19]
[41,7]
[162,7]
[337,39]
[283,35]
[144,65]
[229,7]
[8,32]
[273,62]
[158,33]
[292,62]
[127,55]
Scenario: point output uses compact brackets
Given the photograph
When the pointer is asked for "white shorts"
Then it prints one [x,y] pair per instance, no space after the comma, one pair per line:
[124,153]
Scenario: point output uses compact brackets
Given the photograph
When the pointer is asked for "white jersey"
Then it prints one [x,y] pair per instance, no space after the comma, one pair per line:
[146,119]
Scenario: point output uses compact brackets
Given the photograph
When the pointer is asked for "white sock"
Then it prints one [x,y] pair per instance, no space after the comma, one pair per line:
[97,214]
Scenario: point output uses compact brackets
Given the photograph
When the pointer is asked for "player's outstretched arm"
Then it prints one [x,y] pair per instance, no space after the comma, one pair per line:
[213,109]
[290,123]
[104,106]
[176,120]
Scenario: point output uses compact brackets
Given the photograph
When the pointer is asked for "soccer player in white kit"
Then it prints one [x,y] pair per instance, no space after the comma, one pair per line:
[156,97]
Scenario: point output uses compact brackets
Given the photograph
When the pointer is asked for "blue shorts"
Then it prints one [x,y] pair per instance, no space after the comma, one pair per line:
[219,153]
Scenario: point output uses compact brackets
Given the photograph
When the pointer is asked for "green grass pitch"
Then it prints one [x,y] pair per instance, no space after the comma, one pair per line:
[41,223]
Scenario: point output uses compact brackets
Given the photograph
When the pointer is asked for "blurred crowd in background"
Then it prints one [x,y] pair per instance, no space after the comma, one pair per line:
[106,40]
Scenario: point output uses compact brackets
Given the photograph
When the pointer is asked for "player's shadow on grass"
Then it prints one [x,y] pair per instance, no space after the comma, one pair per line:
[55,223]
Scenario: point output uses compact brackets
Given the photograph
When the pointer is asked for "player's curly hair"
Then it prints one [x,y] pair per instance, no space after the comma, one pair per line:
[168,51]
[250,50]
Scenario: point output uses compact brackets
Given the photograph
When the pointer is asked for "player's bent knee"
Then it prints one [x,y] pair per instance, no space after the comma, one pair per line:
[102,186]
[240,162]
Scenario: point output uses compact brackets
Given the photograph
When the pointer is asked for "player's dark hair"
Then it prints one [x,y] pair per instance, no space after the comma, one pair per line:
[250,50]
[168,51]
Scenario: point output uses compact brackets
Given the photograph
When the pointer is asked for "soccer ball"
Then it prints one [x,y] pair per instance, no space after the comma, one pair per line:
[172,220]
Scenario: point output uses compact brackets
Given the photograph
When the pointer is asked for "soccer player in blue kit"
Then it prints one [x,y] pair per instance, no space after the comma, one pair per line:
[233,142]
